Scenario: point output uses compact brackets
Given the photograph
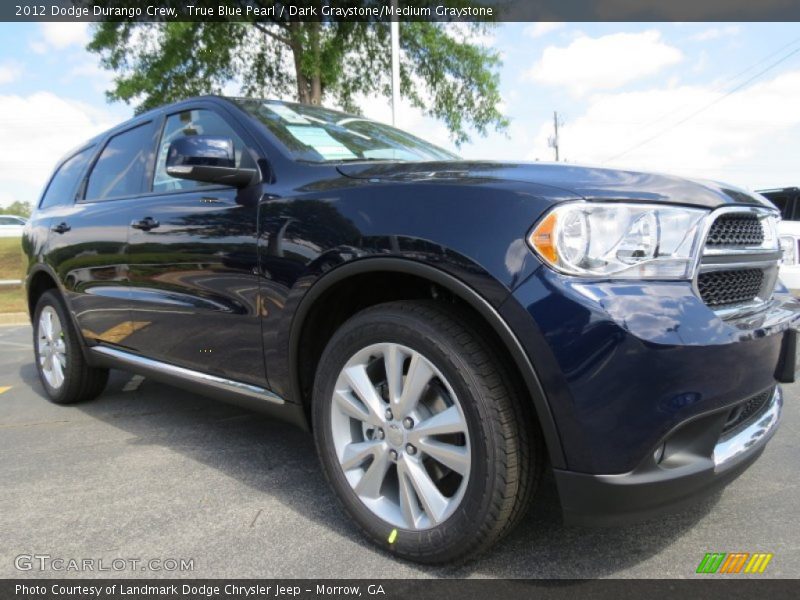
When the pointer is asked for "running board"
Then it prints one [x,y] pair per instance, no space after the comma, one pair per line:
[235,392]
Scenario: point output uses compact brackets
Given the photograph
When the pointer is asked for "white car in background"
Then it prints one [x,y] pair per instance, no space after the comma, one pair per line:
[788,202]
[11,225]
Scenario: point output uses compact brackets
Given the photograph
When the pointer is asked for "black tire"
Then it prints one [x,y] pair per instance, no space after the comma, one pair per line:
[506,450]
[81,382]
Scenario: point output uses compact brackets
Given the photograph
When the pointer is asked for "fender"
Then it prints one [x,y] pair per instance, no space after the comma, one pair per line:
[462,291]
[41,267]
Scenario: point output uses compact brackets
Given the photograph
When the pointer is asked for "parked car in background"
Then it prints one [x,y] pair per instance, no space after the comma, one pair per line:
[447,328]
[12,225]
[787,200]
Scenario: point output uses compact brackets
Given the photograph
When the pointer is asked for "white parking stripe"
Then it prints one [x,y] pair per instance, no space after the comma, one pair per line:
[133,383]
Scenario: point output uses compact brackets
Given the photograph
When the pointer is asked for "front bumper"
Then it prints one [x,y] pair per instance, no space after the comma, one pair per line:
[631,369]
[691,472]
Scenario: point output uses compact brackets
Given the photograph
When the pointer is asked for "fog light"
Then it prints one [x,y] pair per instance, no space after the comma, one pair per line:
[659,453]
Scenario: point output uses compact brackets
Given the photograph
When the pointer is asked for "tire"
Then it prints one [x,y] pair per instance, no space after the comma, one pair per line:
[485,464]
[62,368]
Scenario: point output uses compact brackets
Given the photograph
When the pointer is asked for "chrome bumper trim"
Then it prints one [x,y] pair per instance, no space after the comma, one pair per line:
[754,435]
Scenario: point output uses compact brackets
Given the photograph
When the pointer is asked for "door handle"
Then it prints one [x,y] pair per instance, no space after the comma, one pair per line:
[145,224]
[61,228]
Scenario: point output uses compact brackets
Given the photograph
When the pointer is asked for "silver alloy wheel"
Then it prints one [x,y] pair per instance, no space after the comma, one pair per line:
[400,436]
[51,348]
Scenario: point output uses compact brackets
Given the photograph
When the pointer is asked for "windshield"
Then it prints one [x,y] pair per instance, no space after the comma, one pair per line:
[316,134]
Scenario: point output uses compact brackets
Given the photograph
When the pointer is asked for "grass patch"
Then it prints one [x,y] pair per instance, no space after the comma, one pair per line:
[12,266]
[12,299]
[12,260]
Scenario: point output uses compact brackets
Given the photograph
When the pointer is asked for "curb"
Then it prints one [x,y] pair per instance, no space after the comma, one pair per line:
[17,318]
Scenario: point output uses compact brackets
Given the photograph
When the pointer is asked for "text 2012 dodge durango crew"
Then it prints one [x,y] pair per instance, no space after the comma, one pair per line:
[448,329]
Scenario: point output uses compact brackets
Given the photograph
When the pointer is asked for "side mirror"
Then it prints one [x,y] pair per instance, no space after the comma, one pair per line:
[209,159]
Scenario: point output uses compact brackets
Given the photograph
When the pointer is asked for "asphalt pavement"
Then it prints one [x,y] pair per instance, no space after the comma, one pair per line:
[150,473]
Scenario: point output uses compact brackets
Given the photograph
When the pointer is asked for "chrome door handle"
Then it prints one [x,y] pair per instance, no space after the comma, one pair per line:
[145,224]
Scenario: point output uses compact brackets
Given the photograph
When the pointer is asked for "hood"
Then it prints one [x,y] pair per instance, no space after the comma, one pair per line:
[590,183]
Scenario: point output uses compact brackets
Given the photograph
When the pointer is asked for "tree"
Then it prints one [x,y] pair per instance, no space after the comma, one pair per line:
[18,207]
[441,71]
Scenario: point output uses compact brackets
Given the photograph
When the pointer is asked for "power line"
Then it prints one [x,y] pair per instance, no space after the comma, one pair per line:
[705,107]
[721,84]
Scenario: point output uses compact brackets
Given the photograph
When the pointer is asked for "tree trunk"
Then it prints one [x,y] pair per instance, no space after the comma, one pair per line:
[309,85]
[316,79]
[302,81]
[316,90]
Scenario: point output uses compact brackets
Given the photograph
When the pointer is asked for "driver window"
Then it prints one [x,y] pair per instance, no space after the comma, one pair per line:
[194,122]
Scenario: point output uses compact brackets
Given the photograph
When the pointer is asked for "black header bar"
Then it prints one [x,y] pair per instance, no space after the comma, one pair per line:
[704,587]
[407,10]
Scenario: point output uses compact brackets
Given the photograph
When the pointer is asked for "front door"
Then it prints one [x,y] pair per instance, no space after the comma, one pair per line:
[192,260]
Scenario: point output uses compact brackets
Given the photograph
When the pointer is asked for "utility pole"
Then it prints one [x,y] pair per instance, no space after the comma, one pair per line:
[395,35]
[553,141]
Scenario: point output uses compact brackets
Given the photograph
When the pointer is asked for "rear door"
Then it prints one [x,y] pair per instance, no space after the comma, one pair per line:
[87,239]
[193,261]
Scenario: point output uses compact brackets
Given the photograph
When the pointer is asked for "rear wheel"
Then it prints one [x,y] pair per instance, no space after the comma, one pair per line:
[63,371]
[420,433]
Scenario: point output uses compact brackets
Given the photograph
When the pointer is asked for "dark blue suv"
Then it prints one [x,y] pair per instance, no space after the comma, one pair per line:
[448,329]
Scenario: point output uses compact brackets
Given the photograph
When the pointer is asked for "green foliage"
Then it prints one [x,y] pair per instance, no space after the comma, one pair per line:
[442,71]
[19,208]
[12,259]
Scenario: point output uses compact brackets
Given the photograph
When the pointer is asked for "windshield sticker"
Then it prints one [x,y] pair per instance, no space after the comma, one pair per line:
[287,114]
[321,141]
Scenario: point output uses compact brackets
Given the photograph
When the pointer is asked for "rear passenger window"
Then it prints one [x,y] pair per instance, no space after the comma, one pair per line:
[120,170]
[188,123]
[62,188]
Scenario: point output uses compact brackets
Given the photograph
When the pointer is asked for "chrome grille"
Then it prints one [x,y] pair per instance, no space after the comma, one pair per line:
[723,288]
[738,269]
[736,230]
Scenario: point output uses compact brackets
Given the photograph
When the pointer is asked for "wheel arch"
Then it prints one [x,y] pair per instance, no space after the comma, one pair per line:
[346,274]
[40,279]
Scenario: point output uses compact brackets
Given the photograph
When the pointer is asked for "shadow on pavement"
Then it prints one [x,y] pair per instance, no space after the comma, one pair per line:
[279,460]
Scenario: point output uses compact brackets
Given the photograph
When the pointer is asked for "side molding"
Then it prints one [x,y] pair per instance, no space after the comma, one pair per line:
[234,392]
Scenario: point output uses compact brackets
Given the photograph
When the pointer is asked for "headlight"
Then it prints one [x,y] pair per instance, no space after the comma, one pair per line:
[789,248]
[616,240]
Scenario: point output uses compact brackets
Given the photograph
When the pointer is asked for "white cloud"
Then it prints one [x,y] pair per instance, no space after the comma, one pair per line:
[604,63]
[58,36]
[542,28]
[716,32]
[9,72]
[43,127]
[749,138]
[91,72]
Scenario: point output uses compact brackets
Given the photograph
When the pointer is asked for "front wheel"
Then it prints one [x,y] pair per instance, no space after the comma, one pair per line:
[420,432]
[63,370]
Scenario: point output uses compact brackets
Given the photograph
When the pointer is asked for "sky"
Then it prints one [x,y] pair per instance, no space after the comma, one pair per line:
[701,100]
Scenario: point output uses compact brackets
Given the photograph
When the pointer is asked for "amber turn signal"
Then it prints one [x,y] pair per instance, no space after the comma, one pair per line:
[543,238]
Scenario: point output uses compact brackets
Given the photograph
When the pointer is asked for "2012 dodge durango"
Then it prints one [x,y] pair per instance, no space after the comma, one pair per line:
[447,329]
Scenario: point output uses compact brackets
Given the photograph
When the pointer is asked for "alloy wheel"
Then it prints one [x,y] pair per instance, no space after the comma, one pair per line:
[50,346]
[400,436]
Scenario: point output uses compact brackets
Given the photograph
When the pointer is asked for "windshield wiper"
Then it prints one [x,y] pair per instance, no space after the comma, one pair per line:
[371,159]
